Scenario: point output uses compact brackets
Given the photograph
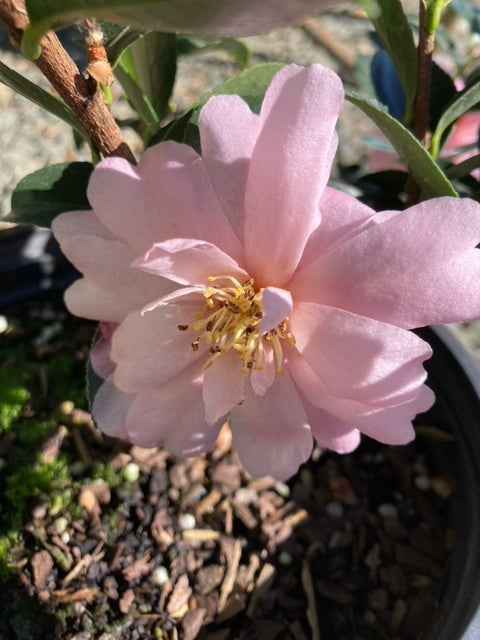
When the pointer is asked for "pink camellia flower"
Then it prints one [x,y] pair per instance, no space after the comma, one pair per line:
[237,285]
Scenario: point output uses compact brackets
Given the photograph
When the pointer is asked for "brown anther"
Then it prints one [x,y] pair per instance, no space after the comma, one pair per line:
[182,327]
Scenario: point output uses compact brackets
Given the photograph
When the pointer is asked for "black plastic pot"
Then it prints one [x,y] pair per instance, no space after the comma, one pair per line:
[455,378]
[31,265]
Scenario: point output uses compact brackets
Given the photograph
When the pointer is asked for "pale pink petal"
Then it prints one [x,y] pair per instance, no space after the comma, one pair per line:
[289,169]
[150,348]
[235,17]
[385,419]
[84,299]
[99,359]
[412,268]
[271,433]
[169,195]
[108,264]
[342,217]
[262,378]
[277,305]
[223,386]
[189,261]
[356,357]
[330,432]
[184,295]
[109,409]
[226,151]
[173,415]
[79,223]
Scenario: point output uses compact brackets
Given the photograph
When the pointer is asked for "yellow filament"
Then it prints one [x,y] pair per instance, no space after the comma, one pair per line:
[231,319]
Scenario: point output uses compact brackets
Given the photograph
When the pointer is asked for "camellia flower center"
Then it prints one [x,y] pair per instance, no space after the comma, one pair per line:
[230,319]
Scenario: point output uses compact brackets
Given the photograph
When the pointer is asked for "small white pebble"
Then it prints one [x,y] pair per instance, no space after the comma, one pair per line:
[387,510]
[131,473]
[60,525]
[285,559]
[422,483]
[334,509]
[282,489]
[160,576]
[3,324]
[65,537]
[187,521]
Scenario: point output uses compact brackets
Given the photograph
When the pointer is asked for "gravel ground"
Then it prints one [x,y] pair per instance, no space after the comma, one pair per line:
[32,138]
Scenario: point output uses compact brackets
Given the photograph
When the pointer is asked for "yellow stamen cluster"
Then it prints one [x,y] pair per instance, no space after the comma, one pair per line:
[230,320]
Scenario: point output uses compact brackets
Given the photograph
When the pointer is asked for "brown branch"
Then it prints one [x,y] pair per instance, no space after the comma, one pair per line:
[421,107]
[81,94]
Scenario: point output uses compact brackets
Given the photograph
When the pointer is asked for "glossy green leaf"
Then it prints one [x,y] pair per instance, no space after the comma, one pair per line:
[462,169]
[151,63]
[236,49]
[117,38]
[42,195]
[42,98]
[212,17]
[396,36]
[460,105]
[426,173]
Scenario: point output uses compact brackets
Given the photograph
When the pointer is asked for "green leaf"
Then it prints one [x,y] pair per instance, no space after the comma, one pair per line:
[460,105]
[42,195]
[42,98]
[118,38]
[464,168]
[433,13]
[236,49]
[421,166]
[212,17]
[396,36]
[151,64]
[249,84]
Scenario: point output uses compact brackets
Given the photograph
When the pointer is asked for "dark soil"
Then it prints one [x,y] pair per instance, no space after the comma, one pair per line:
[124,543]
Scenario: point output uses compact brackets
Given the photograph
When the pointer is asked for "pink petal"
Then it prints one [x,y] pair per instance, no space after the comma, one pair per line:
[235,17]
[411,268]
[189,261]
[272,434]
[226,151]
[169,192]
[277,305]
[107,263]
[99,358]
[330,432]
[173,415]
[84,299]
[342,217]
[262,379]
[149,348]
[385,420]
[109,409]
[356,357]
[289,169]
[79,223]
[223,386]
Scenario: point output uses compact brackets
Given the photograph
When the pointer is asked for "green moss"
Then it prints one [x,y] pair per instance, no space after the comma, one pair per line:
[30,431]
[7,542]
[13,397]
[31,481]
[103,471]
